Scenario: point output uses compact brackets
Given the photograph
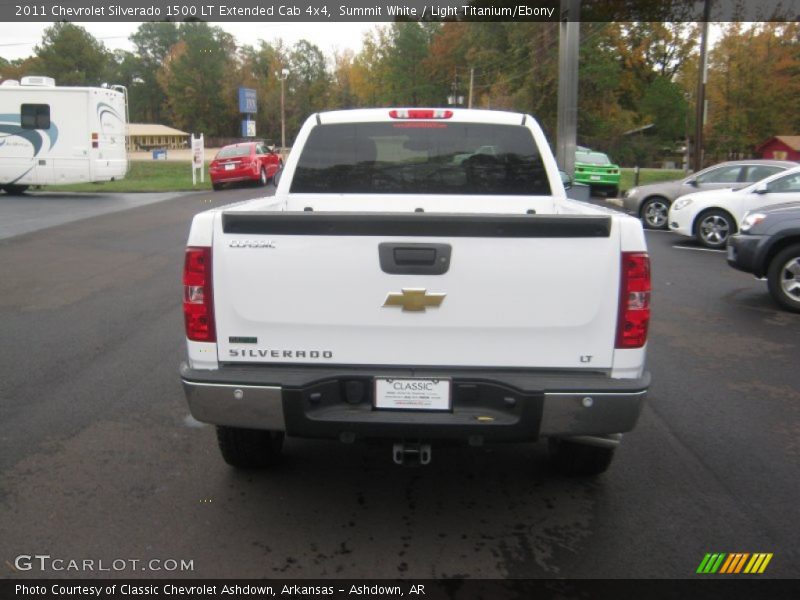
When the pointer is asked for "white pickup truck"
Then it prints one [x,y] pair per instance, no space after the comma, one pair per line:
[406,284]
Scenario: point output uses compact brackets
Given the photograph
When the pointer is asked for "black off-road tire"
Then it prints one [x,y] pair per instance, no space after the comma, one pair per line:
[249,448]
[783,278]
[578,460]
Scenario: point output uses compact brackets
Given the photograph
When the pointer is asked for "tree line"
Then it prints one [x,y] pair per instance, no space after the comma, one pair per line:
[637,81]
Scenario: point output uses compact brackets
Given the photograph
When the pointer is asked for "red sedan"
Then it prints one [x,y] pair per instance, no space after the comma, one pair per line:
[248,161]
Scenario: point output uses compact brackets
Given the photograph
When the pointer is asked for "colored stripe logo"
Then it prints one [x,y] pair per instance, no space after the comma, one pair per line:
[734,563]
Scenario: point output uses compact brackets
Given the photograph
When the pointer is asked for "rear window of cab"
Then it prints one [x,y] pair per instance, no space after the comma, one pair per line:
[420,157]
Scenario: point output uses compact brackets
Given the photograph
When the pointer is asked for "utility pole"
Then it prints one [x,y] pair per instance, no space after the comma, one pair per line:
[454,99]
[471,86]
[282,78]
[702,79]
[567,122]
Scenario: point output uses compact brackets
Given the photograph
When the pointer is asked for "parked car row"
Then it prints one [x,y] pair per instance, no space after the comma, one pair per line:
[751,207]
[652,202]
[712,217]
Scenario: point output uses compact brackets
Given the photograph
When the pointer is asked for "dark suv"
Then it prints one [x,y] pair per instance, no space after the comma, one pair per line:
[768,245]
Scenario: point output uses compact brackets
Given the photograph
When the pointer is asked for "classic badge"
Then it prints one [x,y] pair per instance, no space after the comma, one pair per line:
[251,244]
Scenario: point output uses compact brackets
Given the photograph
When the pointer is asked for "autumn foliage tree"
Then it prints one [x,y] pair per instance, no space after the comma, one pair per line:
[153,43]
[197,80]
[753,87]
[70,53]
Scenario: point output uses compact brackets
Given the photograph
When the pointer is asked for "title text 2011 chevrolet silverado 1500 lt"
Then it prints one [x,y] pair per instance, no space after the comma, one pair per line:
[406,284]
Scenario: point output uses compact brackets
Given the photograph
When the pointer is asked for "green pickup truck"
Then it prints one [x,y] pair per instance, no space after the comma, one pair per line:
[597,171]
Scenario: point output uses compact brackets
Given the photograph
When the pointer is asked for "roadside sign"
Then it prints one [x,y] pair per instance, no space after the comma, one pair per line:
[247,101]
[248,128]
[198,158]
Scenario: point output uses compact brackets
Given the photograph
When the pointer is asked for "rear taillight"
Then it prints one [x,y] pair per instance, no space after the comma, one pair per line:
[95,140]
[634,300]
[198,306]
[420,113]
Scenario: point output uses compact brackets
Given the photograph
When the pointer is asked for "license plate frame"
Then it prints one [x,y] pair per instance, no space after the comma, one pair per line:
[425,394]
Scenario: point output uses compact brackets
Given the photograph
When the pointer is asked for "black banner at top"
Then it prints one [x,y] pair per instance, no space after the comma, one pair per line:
[394,10]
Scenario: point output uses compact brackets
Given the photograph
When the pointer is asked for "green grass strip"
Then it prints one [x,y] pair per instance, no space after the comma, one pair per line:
[145,176]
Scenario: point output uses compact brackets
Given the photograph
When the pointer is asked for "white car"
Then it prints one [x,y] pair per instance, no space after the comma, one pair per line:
[712,216]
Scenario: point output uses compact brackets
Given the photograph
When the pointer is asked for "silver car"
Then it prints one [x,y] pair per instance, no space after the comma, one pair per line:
[651,202]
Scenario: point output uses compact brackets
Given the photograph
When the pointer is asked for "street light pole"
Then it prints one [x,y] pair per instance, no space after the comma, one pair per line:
[282,77]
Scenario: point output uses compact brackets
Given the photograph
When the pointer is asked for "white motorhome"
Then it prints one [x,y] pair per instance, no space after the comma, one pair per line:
[59,135]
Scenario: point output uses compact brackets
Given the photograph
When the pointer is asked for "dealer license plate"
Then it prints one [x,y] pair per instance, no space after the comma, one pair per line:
[412,394]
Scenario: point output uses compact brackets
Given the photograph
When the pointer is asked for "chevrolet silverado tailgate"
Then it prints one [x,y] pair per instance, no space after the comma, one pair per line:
[416,289]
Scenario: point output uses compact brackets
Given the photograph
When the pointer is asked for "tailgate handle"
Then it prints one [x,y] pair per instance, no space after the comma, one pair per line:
[414,256]
[403,258]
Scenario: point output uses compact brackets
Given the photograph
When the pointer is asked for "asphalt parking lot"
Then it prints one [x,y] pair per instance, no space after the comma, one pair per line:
[100,459]
[40,210]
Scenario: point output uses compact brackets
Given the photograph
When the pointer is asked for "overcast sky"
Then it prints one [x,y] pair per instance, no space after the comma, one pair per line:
[17,40]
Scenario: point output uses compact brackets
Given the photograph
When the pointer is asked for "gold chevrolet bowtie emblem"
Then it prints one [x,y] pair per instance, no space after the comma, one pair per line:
[414,299]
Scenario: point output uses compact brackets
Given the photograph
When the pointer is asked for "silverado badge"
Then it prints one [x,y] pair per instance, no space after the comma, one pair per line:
[414,299]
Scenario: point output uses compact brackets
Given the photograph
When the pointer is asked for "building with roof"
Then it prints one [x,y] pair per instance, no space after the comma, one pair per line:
[150,136]
[780,147]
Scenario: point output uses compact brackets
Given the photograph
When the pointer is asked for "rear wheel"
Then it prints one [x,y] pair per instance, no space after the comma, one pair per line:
[783,278]
[576,459]
[654,213]
[713,228]
[263,179]
[217,186]
[249,448]
[612,192]
[15,190]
